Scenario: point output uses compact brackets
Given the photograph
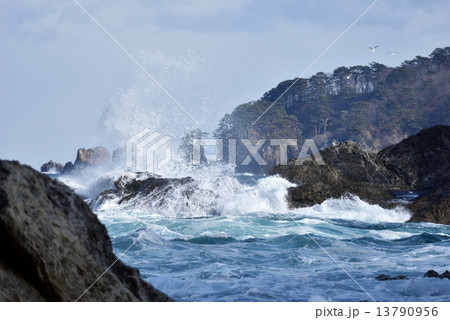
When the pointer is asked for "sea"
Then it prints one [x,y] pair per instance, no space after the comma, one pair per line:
[236,239]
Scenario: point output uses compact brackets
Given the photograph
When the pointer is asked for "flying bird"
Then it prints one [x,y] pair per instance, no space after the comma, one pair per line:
[392,53]
[373,49]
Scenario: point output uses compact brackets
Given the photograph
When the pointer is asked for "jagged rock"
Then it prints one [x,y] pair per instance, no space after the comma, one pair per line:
[420,163]
[52,167]
[175,197]
[54,247]
[434,274]
[433,207]
[91,157]
[68,168]
[423,160]
[144,186]
[431,274]
[348,169]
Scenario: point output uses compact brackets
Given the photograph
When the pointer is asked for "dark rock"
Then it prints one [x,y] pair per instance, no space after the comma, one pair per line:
[54,248]
[434,274]
[179,197]
[348,169]
[92,157]
[15,288]
[52,167]
[155,187]
[68,168]
[420,163]
[423,162]
[383,277]
[431,274]
[433,207]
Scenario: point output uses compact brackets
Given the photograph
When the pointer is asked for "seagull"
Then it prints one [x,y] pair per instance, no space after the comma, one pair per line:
[392,53]
[373,49]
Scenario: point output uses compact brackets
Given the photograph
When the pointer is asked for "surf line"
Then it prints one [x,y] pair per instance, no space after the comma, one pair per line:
[314,240]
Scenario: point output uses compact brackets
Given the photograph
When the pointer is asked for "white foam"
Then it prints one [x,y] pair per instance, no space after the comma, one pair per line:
[216,192]
[267,196]
[353,208]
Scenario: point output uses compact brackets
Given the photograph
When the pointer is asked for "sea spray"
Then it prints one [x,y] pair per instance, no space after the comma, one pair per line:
[353,208]
[145,105]
[246,244]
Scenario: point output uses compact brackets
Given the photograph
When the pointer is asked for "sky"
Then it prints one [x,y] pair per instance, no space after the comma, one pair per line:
[65,84]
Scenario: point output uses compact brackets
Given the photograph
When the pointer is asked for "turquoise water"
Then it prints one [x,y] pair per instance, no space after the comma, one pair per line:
[251,247]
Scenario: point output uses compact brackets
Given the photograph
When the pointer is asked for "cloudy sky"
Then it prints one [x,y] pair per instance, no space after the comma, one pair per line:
[65,84]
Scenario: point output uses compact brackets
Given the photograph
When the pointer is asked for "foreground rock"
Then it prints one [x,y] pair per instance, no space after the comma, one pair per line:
[420,163]
[54,247]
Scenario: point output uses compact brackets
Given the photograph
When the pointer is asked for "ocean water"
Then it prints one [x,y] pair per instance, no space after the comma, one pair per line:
[235,239]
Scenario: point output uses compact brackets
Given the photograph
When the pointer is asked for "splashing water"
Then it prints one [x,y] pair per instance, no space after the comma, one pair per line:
[145,105]
[255,248]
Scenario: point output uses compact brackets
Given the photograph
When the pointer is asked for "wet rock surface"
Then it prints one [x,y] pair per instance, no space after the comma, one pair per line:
[54,248]
[419,164]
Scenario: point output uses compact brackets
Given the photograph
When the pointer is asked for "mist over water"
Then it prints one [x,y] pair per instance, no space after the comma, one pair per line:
[144,104]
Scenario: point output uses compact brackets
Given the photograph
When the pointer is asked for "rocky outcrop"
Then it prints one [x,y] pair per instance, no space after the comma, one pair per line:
[434,274]
[143,186]
[175,197]
[55,249]
[92,157]
[52,167]
[86,159]
[420,163]
[348,169]
[432,207]
[68,168]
